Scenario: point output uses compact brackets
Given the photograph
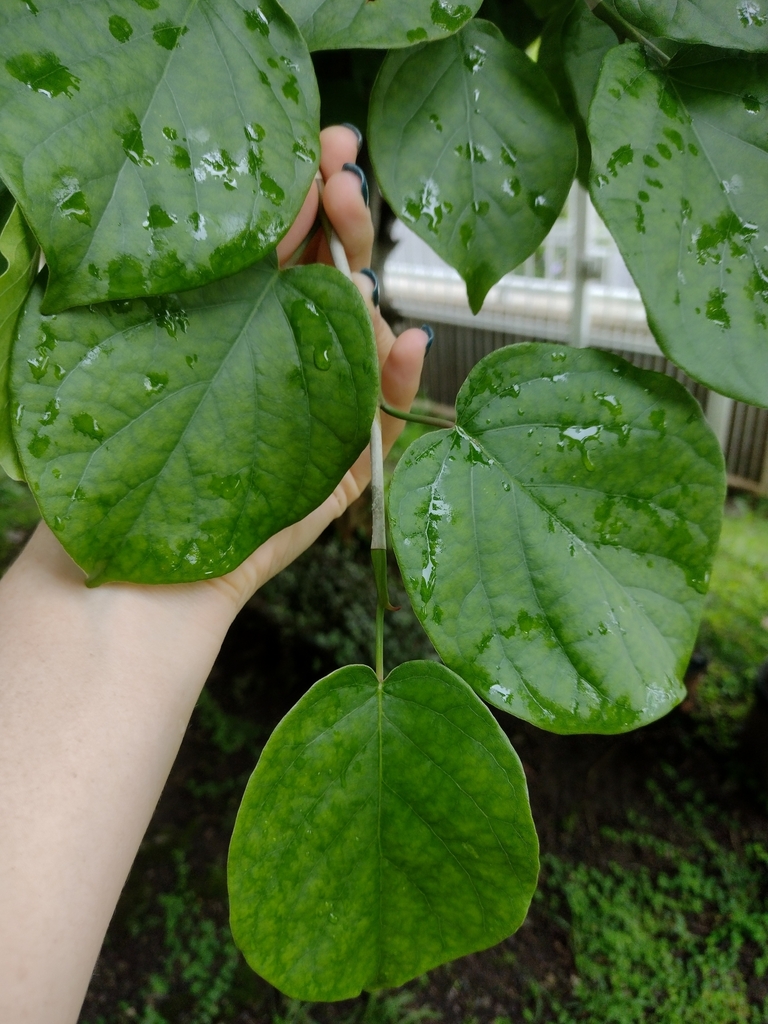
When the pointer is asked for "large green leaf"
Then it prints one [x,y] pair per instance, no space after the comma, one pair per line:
[740,24]
[385,830]
[472,149]
[557,544]
[680,164]
[572,48]
[165,439]
[341,24]
[154,148]
[19,258]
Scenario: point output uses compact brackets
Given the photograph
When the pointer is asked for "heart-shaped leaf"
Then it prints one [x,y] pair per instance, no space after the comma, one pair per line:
[573,45]
[19,258]
[345,24]
[154,148]
[472,149]
[680,163]
[557,544]
[166,440]
[739,24]
[385,830]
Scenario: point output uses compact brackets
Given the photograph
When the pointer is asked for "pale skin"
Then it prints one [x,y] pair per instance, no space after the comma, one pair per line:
[97,687]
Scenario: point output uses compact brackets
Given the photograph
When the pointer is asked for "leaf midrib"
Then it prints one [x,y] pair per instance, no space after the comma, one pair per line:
[517,483]
[206,389]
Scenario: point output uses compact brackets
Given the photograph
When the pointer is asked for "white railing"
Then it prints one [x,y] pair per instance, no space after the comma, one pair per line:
[575,289]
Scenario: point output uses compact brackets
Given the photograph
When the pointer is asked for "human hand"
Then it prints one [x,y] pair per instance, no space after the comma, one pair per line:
[400,359]
[98,685]
[216,601]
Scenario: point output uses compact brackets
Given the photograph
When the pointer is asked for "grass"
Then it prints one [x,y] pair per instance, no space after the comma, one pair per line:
[733,631]
[199,958]
[684,942]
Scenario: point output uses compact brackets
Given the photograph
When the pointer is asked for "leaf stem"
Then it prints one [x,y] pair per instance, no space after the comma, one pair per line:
[379,535]
[626,29]
[380,643]
[415,417]
[379,526]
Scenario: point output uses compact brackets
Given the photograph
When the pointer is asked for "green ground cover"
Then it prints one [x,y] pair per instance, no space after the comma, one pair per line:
[734,630]
[681,941]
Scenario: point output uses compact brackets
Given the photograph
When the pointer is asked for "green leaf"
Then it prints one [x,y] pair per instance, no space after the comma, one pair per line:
[385,830]
[680,162]
[557,544]
[740,24]
[166,439]
[19,258]
[572,48]
[472,150]
[345,24]
[152,148]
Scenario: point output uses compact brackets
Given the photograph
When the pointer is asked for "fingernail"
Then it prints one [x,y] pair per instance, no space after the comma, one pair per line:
[430,338]
[374,278]
[363,180]
[356,130]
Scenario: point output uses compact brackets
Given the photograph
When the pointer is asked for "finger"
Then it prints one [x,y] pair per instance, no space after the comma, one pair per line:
[385,339]
[400,378]
[344,202]
[301,227]
[339,145]
[400,382]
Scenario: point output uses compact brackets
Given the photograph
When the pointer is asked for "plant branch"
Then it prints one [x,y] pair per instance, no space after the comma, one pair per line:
[415,417]
[378,511]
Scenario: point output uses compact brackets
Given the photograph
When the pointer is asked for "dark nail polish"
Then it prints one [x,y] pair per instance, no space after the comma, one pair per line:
[356,130]
[430,338]
[374,278]
[363,180]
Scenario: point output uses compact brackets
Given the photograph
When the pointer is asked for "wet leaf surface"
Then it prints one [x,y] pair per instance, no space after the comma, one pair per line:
[151,182]
[165,439]
[739,24]
[557,544]
[472,150]
[385,830]
[344,24]
[680,161]
[19,256]
[573,45]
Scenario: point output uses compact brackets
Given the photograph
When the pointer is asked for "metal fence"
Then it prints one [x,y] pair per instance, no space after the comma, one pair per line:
[575,289]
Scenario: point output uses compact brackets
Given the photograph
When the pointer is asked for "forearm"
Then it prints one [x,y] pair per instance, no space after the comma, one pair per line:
[89,728]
